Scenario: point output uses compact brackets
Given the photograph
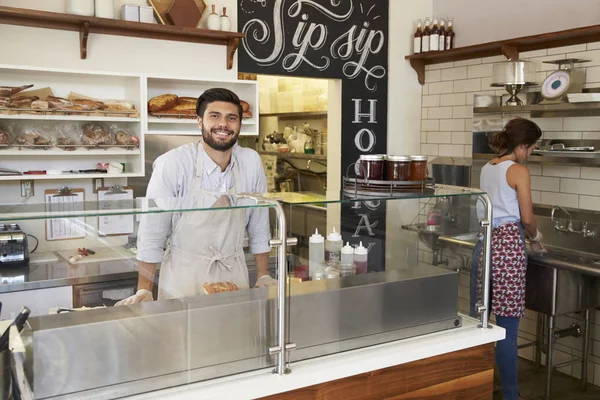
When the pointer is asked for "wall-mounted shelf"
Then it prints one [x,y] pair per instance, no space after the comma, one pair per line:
[297,115]
[67,176]
[538,107]
[572,159]
[86,25]
[294,156]
[110,151]
[509,48]
[90,118]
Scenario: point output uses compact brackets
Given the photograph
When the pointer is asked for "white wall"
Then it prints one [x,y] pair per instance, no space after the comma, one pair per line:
[404,116]
[481,21]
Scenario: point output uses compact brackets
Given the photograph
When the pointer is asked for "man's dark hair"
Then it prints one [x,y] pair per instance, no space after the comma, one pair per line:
[217,94]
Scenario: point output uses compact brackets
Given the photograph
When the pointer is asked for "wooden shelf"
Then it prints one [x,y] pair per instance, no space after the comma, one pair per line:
[86,25]
[33,117]
[55,151]
[509,48]
[297,115]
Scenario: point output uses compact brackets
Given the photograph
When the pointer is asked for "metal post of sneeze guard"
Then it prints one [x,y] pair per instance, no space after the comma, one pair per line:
[281,348]
[484,308]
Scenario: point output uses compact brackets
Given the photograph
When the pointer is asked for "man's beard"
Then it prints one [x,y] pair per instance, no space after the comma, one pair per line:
[207,136]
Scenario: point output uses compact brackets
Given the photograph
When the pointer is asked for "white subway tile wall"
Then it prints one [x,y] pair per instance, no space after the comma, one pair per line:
[564,185]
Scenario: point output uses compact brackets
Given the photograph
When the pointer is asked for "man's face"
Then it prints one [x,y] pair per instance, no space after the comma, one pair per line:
[220,125]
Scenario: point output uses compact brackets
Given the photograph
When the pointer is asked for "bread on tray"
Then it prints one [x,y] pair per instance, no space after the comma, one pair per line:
[219,287]
[162,102]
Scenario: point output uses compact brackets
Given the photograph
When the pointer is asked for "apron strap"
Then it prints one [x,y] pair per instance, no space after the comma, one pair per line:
[219,260]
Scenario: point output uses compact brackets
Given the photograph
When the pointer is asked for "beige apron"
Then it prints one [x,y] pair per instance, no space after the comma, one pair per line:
[205,246]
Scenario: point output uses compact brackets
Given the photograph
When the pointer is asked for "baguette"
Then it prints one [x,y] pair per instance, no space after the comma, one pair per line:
[219,287]
[87,105]
[10,90]
[21,101]
[39,105]
[118,105]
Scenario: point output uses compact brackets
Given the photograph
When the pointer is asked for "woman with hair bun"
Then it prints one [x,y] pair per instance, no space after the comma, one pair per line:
[508,184]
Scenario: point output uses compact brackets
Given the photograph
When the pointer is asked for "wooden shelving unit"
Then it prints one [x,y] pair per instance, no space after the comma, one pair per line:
[509,48]
[297,115]
[86,25]
[294,156]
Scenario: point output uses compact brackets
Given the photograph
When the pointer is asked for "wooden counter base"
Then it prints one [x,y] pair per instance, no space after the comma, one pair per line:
[467,374]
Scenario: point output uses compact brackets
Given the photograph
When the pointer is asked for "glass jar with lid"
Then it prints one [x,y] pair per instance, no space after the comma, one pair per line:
[397,168]
[371,166]
[418,168]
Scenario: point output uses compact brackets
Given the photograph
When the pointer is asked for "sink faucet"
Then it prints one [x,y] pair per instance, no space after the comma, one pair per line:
[584,231]
[556,224]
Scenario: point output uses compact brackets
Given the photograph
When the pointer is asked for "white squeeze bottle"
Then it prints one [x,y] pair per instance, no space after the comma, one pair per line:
[347,254]
[361,259]
[333,247]
[316,253]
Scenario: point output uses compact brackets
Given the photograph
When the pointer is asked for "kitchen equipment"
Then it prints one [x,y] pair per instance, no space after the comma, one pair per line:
[486,100]
[452,171]
[80,7]
[146,14]
[105,9]
[225,21]
[213,21]
[562,147]
[104,293]
[514,76]
[19,323]
[130,12]
[563,81]
[14,250]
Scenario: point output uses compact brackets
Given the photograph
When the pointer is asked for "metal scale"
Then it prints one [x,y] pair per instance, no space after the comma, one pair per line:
[563,81]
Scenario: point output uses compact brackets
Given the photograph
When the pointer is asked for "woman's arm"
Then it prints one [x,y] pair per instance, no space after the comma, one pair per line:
[518,178]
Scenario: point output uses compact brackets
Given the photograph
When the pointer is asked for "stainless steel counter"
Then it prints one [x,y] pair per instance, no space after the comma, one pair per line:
[59,273]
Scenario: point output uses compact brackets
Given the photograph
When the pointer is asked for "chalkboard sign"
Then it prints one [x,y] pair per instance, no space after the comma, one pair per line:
[338,39]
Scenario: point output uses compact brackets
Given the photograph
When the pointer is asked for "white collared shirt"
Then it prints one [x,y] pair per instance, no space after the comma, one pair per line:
[172,176]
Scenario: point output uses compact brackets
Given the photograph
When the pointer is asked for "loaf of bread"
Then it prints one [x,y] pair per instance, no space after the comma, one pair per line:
[245,105]
[125,139]
[39,105]
[59,103]
[118,105]
[4,101]
[162,102]
[66,143]
[10,90]
[4,137]
[219,287]
[21,101]
[188,100]
[95,135]
[87,105]
[246,114]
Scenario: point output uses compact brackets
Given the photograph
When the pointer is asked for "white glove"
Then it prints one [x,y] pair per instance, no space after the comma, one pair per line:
[266,281]
[538,237]
[140,296]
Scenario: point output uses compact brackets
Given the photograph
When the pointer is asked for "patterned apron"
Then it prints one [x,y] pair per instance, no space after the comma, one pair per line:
[509,267]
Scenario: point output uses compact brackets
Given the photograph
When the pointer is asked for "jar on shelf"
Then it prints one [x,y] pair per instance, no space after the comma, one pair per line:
[397,168]
[371,166]
[418,168]
[80,7]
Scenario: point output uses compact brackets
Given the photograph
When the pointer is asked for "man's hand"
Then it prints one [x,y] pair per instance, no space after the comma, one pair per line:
[266,281]
[141,296]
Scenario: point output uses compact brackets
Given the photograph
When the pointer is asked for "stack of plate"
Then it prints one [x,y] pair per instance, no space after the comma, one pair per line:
[583,97]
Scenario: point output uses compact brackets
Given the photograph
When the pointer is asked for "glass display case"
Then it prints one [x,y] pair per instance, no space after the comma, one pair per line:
[379,274]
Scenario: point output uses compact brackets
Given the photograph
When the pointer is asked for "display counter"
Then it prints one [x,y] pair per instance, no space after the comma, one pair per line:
[401,300]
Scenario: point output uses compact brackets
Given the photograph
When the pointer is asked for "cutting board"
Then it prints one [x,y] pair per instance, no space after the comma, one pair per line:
[161,6]
[102,254]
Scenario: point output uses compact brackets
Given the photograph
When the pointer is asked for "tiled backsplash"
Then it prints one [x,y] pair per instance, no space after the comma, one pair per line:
[447,121]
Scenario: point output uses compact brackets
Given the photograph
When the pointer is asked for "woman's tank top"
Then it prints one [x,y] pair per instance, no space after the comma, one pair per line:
[504,198]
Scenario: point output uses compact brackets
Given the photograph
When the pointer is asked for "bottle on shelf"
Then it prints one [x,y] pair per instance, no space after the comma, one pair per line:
[434,37]
[316,254]
[442,39]
[450,34]
[347,254]
[333,247]
[361,259]
[425,38]
[418,38]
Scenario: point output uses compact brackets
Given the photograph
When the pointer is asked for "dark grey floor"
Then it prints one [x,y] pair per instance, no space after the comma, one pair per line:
[564,387]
